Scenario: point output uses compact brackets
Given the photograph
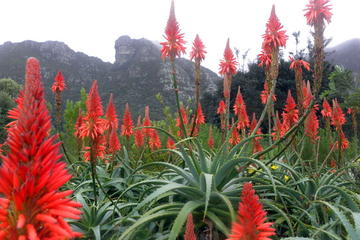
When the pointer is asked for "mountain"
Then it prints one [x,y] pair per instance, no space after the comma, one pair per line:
[136,76]
[346,54]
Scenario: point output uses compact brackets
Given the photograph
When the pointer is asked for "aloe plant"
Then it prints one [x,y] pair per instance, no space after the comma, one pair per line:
[208,186]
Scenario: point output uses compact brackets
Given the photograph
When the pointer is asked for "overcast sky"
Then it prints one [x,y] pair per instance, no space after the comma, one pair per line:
[92,26]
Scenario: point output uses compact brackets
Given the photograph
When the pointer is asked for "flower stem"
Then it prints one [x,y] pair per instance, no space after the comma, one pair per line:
[106,194]
[93,171]
[197,95]
[175,85]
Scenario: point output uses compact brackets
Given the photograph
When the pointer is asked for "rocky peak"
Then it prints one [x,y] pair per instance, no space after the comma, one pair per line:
[128,49]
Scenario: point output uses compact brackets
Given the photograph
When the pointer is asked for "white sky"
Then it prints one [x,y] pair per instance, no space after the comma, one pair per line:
[92,26]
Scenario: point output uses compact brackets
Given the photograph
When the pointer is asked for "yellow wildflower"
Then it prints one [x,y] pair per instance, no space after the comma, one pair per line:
[286,178]
[274,167]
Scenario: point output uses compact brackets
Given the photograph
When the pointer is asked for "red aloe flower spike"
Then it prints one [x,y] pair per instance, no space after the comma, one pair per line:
[170,144]
[327,111]
[93,126]
[228,64]
[114,143]
[184,117]
[307,95]
[343,140]
[211,142]
[279,128]
[350,111]
[264,59]
[222,111]
[59,83]
[33,78]
[197,51]
[235,136]
[250,223]
[274,37]
[196,130]
[174,45]
[93,102]
[200,115]
[189,232]
[139,135]
[32,174]
[265,94]
[239,102]
[57,88]
[256,141]
[78,123]
[127,125]
[337,117]
[154,140]
[147,122]
[111,116]
[240,111]
[318,11]
[14,113]
[312,125]
[221,108]
[290,114]
[299,64]
[97,147]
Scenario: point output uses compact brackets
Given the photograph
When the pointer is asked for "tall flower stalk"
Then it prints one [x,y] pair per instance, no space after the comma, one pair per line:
[31,175]
[241,113]
[338,120]
[111,122]
[197,54]
[297,65]
[57,88]
[173,47]
[93,127]
[127,125]
[227,70]
[273,39]
[316,13]
[221,110]
[326,112]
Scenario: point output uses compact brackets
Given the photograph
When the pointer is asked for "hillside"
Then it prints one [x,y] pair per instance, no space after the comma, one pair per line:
[136,76]
[346,54]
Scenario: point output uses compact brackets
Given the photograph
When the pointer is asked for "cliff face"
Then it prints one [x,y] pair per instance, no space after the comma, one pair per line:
[137,75]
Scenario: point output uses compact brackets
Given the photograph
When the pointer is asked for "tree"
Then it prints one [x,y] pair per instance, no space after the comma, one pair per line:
[9,90]
[71,113]
[252,83]
[340,85]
